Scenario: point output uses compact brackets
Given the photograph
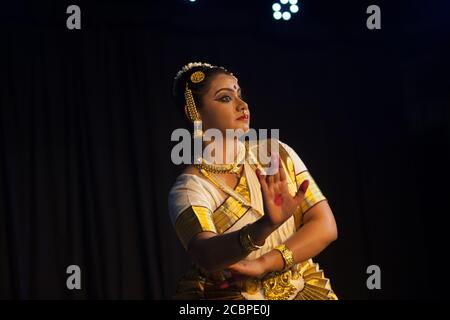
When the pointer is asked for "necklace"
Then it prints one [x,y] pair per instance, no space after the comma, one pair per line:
[219,168]
[225,188]
[224,168]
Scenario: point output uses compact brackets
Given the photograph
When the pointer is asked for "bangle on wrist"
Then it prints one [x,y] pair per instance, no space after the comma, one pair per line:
[288,256]
[246,240]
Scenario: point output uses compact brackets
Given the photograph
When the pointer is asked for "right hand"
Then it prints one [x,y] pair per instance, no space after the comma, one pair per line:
[278,202]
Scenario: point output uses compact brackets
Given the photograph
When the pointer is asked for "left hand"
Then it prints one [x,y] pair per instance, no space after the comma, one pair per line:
[279,204]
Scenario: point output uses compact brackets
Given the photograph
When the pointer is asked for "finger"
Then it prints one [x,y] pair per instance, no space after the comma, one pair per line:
[304,186]
[276,187]
[269,180]
[282,173]
[283,188]
[301,191]
[262,180]
[276,176]
[277,190]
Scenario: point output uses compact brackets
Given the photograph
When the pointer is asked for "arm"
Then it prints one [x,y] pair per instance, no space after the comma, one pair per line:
[318,231]
[213,252]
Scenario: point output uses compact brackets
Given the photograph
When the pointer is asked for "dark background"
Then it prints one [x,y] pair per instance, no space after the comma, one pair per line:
[86,118]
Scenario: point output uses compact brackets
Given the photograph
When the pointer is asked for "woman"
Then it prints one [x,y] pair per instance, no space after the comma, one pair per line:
[251,235]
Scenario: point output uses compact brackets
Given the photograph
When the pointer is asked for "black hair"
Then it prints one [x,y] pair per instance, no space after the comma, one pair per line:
[198,89]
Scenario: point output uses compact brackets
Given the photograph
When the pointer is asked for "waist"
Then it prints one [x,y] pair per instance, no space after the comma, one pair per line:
[275,285]
[279,285]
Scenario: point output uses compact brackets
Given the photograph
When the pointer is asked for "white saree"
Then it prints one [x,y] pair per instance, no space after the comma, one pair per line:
[196,205]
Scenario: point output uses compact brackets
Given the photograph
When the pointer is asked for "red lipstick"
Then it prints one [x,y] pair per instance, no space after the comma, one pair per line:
[243,117]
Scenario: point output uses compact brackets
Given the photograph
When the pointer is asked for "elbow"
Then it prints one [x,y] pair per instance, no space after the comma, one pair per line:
[202,257]
[332,233]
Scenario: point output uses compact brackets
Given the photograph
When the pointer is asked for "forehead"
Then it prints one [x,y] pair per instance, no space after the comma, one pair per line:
[224,81]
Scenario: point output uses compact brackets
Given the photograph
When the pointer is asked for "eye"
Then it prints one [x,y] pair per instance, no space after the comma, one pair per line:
[225,99]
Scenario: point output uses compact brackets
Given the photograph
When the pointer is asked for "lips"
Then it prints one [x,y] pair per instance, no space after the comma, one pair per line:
[244,117]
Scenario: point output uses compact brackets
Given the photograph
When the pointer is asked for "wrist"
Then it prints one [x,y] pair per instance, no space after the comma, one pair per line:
[271,261]
[264,262]
[268,224]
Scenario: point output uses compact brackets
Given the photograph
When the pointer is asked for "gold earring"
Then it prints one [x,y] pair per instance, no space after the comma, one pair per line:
[192,111]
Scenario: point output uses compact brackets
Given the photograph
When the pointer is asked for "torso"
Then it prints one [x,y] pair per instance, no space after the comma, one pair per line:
[230,179]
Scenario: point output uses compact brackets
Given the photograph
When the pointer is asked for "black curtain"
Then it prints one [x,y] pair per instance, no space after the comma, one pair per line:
[86,119]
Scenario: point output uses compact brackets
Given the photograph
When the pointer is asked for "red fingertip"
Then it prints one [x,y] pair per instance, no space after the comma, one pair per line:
[304,186]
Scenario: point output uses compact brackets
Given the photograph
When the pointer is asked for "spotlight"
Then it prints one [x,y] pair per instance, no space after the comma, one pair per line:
[284,9]
[286,15]
[293,8]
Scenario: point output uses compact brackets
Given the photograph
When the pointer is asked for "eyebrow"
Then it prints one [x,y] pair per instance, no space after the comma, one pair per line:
[228,89]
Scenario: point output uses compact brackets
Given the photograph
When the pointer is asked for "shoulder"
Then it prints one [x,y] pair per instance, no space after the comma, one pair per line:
[287,153]
[188,190]
[299,165]
[190,169]
[189,181]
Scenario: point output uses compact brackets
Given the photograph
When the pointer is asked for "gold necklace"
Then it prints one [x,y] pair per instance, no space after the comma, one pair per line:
[224,168]
[214,168]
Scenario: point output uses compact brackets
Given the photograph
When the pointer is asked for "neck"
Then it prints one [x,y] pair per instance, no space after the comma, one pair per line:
[221,154]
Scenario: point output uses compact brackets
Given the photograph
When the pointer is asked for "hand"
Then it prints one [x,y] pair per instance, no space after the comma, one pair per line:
[247,268]
[278,202]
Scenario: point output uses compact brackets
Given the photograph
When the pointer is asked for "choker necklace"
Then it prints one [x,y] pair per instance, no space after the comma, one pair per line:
[220,168]
[224,168]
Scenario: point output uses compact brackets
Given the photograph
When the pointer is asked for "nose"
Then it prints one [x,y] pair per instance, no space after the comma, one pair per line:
[242,106]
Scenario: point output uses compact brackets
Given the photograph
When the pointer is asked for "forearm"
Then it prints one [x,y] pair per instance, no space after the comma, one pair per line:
[215,252]
[306,243]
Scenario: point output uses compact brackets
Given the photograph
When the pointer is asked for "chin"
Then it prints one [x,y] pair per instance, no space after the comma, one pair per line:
[244,127]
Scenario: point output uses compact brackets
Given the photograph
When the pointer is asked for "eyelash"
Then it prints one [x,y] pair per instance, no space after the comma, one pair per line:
[221,98]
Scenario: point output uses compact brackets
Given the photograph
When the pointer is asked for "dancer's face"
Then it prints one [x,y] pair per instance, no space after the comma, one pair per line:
[223,106]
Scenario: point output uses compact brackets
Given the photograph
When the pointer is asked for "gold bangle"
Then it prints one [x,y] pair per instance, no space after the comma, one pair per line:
[288,256]
[246,240]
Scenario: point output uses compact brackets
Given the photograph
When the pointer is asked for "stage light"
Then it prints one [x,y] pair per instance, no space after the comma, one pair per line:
[277,15]
[284,9]
[293,8]
[286,15]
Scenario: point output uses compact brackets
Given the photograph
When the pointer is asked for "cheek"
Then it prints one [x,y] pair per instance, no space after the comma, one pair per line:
[220,115]
[222,112]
